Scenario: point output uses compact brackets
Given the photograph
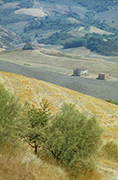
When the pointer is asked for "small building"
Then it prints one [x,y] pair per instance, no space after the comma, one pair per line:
[28,46]
[103,76]
[80,72]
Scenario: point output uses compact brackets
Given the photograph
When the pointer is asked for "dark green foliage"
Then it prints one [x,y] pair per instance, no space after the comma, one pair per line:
[74,139]
[48,23]
[28,46]
[113,102]
[78,42]
[74,15]
[38,119]
[12,119]
[26,4]
[56,38]
[103,44]
[7,16]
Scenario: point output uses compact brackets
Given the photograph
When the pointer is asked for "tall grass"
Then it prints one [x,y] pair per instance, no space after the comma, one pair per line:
[19,163]
[110,150]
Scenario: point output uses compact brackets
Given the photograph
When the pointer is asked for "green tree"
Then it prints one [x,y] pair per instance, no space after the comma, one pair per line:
[13,121]
[73,138]
[38,118]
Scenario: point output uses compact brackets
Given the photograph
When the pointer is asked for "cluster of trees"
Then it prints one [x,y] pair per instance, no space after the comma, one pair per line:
[56,38]
[34,27]
[105,45]
[91,20]
[113,102]
[70,136]
[48,23]
[8,16]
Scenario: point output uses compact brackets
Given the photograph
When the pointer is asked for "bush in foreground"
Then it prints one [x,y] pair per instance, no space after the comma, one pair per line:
[13,122]
[38,119]
[73,138]
[110,150]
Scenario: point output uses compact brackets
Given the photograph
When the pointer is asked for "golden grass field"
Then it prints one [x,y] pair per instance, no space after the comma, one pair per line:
[32,90]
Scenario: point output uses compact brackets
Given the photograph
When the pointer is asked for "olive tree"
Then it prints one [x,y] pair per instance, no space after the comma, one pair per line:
[73,138]
[38,119]
[13,122]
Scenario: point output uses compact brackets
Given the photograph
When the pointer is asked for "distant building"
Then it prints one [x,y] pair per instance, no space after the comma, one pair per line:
[28,46]
[80,72]
[103,76]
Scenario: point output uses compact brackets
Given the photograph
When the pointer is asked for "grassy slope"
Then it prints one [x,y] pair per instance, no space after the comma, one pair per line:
[34,90]
[109,16]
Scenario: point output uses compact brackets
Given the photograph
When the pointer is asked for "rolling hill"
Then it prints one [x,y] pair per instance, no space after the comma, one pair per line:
[32,90]
[46,73]
[57,22]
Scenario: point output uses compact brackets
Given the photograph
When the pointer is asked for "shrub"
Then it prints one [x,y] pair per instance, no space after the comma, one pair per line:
[110,150]
[28,46]
[38,119]
[12,119]
[113,102]
[73,138]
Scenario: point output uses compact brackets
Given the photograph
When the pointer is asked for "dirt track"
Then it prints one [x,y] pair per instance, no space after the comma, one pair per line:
[96,88]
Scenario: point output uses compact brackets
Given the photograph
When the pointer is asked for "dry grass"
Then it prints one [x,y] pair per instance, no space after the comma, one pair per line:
[31,11]
[24,165]
[34,91]
[99,31]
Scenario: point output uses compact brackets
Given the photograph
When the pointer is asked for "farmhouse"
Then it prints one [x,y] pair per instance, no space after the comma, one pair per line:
[80,72]
[103,76]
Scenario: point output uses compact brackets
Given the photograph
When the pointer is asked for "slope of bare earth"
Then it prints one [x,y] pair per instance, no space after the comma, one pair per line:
[31,11]
[35,90]
[99,31]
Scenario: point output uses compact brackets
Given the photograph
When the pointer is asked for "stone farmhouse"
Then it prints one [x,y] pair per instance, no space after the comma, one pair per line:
[80,72]
[103,76]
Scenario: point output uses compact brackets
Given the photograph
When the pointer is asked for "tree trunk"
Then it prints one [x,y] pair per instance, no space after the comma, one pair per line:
[35,149]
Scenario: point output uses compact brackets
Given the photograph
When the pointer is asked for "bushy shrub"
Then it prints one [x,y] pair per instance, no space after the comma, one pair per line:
[110,150]
[113,102]
[38,119]
[12,120]
[73,138]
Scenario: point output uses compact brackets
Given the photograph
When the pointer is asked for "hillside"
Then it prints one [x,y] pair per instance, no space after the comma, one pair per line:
[111,17]
[63,63]
[107,114]
[59,22]
[7,38]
